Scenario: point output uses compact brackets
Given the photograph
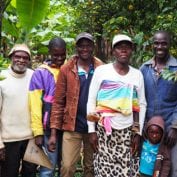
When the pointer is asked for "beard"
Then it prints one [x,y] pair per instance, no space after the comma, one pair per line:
[19,68]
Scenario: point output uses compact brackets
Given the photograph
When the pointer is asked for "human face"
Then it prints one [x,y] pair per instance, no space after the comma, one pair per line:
[20,61]
[58,56]
[122,52]
[161,45]
[154,134]
[85,49]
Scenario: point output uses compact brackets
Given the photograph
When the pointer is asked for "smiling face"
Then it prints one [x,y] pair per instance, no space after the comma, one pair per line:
[20,61]
[154,134]
[58,56]
[122,51]
[85,49]
[161,45]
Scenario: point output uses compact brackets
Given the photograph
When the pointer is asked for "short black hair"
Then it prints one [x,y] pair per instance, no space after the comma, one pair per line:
[56,42]
[164,32]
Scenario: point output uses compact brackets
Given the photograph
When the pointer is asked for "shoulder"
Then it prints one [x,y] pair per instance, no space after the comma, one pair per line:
[71,62]
[29,72]
[105,67]
[172,61]
[97,62]
[147,63]
[42,70]
[135,70]
[4,72]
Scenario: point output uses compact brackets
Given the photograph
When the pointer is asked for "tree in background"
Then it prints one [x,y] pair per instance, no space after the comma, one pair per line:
[137,18]
[102,18]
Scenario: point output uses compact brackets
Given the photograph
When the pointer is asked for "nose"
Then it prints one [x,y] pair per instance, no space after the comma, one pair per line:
[84,48]
[21,59]
[159,45]
[154,135]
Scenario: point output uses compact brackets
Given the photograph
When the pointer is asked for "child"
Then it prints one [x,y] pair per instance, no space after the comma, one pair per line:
[155,156]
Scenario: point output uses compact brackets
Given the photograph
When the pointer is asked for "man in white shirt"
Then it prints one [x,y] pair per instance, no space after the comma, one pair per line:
[15,130]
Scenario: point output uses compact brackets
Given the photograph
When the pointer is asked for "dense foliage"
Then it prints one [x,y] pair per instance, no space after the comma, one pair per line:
[102,18]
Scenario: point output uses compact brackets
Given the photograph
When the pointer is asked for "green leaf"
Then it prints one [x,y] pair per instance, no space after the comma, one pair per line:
[9,28]
[31,12]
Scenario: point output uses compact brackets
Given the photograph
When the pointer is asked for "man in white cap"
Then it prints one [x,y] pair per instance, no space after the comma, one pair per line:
[114,90]
[69,107]
[15,130]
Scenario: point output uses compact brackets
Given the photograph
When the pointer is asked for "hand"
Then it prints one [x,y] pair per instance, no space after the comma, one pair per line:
[52,143]
[171,137]
[135,144]
[39,140]
[93,141]
[2,154]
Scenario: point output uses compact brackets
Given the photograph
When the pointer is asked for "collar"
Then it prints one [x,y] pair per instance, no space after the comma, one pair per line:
[170,62]
[74,60]
[14,74]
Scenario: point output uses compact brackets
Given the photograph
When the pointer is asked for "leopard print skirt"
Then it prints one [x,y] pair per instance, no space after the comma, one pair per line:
[113,158]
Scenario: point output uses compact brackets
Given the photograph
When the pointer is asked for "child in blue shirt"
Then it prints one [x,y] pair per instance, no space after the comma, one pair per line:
[155,155]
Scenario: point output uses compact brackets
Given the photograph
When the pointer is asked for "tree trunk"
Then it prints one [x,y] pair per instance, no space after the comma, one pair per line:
[3,5]
[100,48]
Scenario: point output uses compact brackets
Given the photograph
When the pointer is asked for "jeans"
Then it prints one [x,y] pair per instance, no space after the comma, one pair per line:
[14,152]
[55,157]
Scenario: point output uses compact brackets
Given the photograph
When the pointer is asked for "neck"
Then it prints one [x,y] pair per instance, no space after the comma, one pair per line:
[84,63]
[121,68]
[161,61]
[18,72]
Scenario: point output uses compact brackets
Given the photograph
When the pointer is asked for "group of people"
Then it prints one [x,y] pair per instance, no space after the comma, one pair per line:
[125,119]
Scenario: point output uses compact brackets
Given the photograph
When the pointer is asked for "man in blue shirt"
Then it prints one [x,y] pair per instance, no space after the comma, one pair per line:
[161,94]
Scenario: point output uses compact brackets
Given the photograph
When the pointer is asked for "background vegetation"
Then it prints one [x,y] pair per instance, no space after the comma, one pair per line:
[37,21]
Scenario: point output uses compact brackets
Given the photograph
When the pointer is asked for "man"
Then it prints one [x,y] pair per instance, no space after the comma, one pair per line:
[69,107]
[111,96]
[42,88]
[15,129]
[161,94]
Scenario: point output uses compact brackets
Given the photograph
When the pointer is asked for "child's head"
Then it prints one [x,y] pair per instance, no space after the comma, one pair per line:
[155,129]
[57,50]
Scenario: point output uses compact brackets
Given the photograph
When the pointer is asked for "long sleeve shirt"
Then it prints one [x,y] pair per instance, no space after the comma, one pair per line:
[108,73]
[14,115]
[41,93]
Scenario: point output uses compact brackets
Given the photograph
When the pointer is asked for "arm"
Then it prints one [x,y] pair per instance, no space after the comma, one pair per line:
[91,107]
[91,104]
[142,103]
[172,133]
[2,148]
[52,140]
[35,99]
[166,164]
[59,103]
[163,164]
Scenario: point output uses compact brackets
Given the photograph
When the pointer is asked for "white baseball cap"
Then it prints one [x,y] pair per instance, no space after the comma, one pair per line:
[120,37]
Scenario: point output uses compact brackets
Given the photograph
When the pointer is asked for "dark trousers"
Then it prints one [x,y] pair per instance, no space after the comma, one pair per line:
[60,138]
[14,152]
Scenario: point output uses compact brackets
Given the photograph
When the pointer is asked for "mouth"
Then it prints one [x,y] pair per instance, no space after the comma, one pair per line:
[160,52]
[85,53]
[123,56]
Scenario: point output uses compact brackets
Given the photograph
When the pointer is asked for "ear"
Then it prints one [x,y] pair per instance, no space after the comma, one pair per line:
[113,52]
